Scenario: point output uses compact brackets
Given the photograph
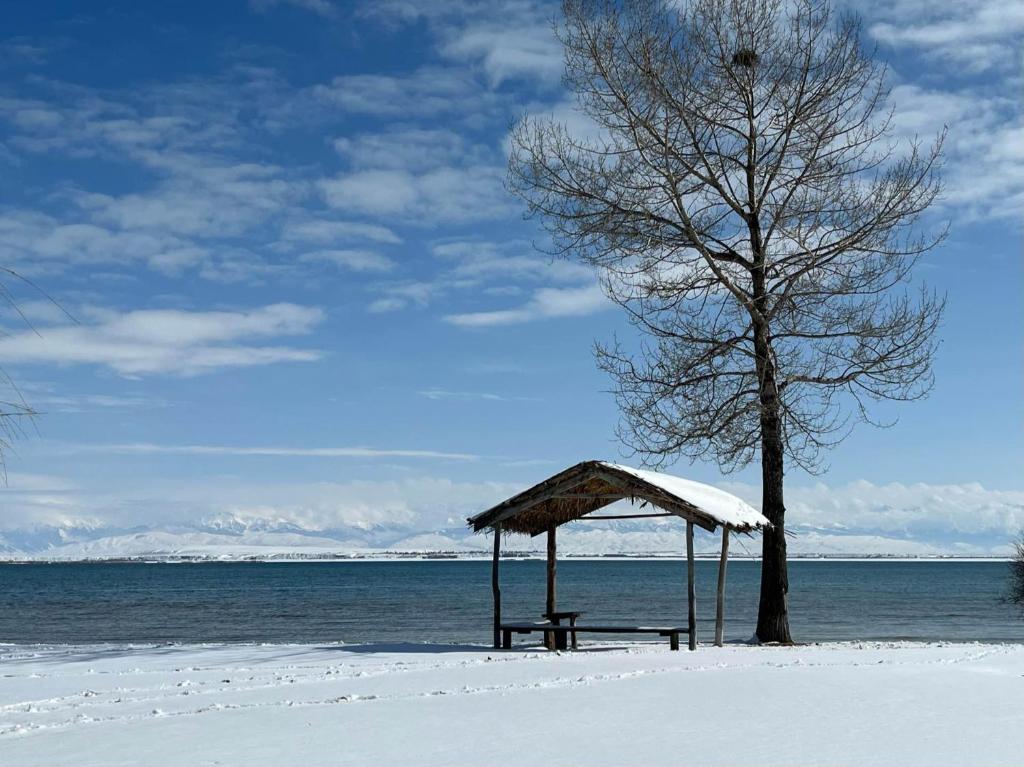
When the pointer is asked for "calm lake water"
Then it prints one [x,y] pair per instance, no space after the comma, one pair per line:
[450,601]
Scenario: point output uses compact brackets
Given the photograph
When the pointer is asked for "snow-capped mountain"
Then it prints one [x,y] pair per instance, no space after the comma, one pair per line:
[230,537]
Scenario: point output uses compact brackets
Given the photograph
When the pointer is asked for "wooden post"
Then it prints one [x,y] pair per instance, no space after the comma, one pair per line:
[720,605]
[550,638]
[496,587]
[691,592]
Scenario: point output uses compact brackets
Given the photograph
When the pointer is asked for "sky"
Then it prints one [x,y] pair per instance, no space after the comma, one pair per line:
[274,284]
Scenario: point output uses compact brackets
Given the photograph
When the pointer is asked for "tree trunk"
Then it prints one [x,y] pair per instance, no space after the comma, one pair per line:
[773,610]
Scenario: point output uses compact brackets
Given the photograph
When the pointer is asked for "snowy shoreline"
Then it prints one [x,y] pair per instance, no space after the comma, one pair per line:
[839,703]
[513,557]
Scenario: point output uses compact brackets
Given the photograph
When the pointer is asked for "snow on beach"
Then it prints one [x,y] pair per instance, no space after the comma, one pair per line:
[834,704]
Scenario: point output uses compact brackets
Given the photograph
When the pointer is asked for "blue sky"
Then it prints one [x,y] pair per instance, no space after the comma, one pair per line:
[303,300]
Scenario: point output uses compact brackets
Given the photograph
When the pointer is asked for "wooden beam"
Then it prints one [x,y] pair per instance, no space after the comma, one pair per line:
[683,512]
[626,516]
[592,497]
[496,586]
[691,592]
[552,573]
[720,603]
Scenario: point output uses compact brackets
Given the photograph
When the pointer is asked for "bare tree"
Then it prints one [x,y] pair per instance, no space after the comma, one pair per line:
[742,195]
[1017,573]
[15,412]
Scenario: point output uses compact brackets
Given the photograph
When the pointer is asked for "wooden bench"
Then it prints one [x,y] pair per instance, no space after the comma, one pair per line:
[508,629]
[557,641]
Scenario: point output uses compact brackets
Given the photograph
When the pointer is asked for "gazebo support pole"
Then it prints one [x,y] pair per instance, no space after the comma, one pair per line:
[720,605]
[691,592]
[551,605]
[496,586]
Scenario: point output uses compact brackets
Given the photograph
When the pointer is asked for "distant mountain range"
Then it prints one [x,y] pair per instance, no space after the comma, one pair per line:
[227,538]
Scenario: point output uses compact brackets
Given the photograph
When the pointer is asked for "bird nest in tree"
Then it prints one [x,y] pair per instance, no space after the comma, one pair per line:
[744,57]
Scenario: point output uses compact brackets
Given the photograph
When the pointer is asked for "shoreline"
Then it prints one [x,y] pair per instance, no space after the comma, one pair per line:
[431,647]
[525,557]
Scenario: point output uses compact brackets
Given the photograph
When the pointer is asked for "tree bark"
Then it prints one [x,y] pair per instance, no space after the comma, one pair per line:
[691,588]
[773,610]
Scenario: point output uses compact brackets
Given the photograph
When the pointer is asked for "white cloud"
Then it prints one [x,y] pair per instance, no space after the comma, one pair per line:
[192,126]
[912,509]
[974,34]
[483,260]
[420,176]
[506,51]
[342,509]
[425,512]
[967,79]
[355,260]
[491,269]
[440,195]
[425,92]
[48,398]
[200,181]
[377,192]
[546,303]
[33,311]
[511,40]
[409,149]
[385,305]
[215,201]
[32,241]
[167,341]
[984,152]
[401,295]
[444,394]
[146,448]
[324,231]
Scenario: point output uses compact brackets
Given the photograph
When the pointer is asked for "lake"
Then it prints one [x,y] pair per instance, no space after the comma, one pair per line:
[450,601]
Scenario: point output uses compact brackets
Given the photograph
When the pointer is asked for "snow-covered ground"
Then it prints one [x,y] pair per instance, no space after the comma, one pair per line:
[837,704]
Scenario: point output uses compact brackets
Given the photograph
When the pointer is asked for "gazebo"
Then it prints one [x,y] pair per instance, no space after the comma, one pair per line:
[580,490]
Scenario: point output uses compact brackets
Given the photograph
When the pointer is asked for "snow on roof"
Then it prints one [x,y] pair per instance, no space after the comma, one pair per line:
[725,508]
[591,485]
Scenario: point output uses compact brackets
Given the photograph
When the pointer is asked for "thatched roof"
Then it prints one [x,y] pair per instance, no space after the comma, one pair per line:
[591,485]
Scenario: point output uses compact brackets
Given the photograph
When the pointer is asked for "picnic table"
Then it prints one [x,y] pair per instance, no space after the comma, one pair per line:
[553,627]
